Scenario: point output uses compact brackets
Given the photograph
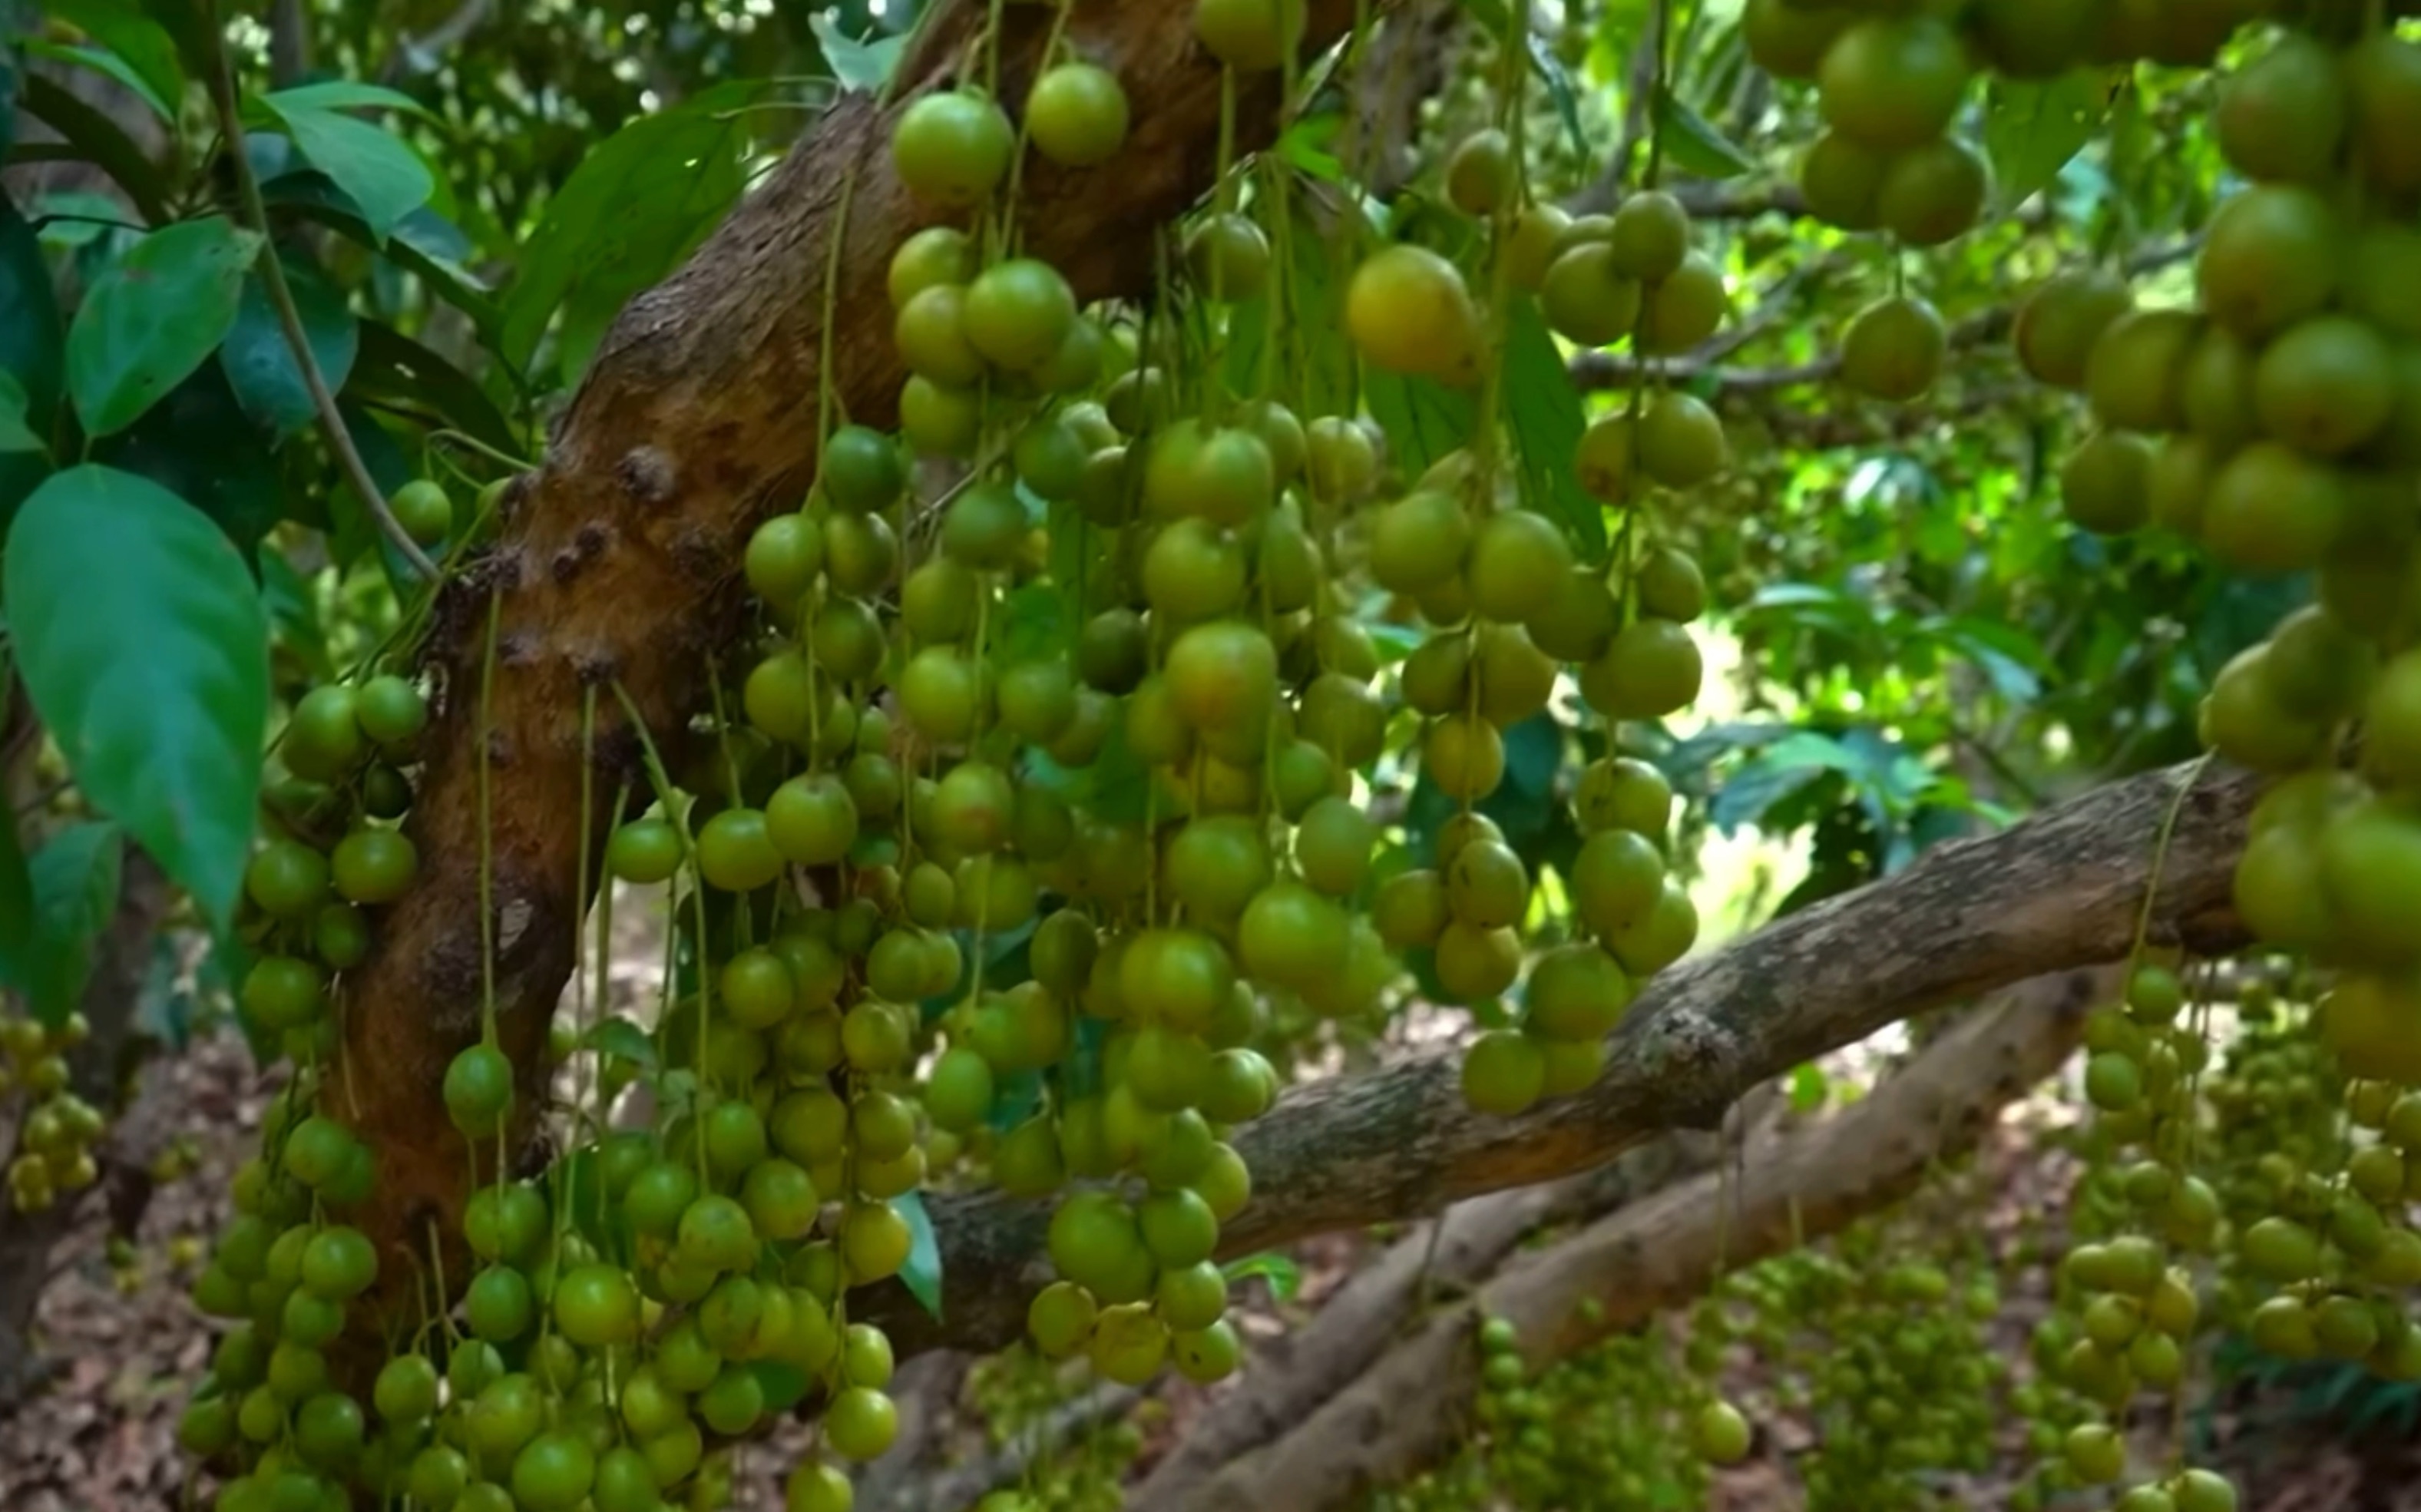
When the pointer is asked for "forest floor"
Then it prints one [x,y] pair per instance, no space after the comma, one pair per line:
[124,1345]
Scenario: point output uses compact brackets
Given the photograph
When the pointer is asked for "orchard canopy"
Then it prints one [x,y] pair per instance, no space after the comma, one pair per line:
[1185,611]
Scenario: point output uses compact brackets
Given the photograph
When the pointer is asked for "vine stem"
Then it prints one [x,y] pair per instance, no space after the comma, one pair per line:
[255,217]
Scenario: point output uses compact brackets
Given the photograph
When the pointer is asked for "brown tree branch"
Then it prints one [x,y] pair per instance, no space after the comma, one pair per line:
[1654,1254]
[2060,890]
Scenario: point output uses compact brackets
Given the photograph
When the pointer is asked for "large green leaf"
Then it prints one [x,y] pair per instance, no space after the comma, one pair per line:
[384,179]
[154,318]
[199,445]
[16,886]
[1423,418]
[75,882]
[635,205]
[1542,408]
[143,641]
[32,336]
[102,61]
[393,365]
[922,1274]
[1692,142]
[2031,129]
[91,134]
[858,65]
[342,94]
[260,361]
[137,42]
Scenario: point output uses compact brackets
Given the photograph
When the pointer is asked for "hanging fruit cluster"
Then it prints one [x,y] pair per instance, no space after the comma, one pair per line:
[1620,1419]
[56,1129]
[1008,845]
[1886,1348]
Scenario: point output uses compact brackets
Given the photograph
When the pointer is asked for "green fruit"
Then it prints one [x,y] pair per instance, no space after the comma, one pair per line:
[1893,83]
[2269,256]
[1407,308]
[424,511]
[2325,385]
[1250,35]
[1228,257]
[478,1090]
[2283,118]
[2060,322]
[1077,115]
[953,148]
[1842,181]
[1719,1434]
[1893,350]
[2105,484]
[1503,1073]
[1017,313]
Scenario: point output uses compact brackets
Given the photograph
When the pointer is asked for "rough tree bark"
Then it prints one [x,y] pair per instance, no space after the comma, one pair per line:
[1642,1258]
[617,562]
[2061,890]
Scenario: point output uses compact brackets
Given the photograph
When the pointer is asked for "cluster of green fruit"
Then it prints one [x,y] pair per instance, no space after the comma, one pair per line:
[332,853]
[1019,1394]
[1619,1425]
[1885,1348]
[56,1129]
[1009,851]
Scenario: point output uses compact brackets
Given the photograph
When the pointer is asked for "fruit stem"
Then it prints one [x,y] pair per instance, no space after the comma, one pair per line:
[486,737]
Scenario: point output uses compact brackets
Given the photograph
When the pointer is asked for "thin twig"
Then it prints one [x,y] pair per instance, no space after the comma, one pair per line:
[255,217]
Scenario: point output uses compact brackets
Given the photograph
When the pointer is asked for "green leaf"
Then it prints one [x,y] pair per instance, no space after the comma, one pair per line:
[922,1274]
[386,179]
[1559,90]
[1693,144]
[93,136]
[74,880]
[857,65]
[154,317]
[136,43]
[15,434]
[2031,129]
[143,643]
[32,334]
[784,1386]
[618,1036]
[17,933]
[341,94]
[1542,408]
[108,64]
[293,613]
[1284,1276]
[1808,1087]
[635,205]
[1424,419]
[199,445]
[393,365]
[259,361]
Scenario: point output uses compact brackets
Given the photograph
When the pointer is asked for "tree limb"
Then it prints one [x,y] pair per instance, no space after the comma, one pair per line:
[1655,1254]
[2060,890]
